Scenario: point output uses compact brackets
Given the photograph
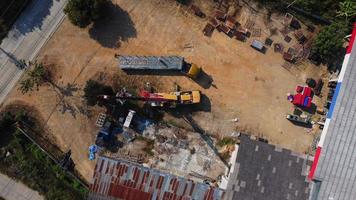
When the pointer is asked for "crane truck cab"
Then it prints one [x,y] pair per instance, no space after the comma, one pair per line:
[174,99]
[188,97]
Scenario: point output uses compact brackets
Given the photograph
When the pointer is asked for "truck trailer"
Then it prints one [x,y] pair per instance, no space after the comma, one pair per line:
[158,63]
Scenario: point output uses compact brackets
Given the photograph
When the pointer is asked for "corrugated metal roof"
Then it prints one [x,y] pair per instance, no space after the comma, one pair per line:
[124,180]
[151,62]
[337,163]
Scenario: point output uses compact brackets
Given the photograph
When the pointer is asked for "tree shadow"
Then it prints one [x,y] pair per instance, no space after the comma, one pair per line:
[69,89]
[7,128]
[33,16]
[116,27]
[67,107]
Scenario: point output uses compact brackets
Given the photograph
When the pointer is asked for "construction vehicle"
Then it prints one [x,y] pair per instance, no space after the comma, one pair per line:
[170,100]
[158,63]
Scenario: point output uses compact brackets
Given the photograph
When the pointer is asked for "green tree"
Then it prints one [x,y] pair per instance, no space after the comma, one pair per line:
[26,85]
[93,88]
[33,78]
[83,12]
[329,42]
[347,10]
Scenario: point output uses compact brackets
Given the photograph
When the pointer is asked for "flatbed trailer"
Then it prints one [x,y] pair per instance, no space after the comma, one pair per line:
[158,63]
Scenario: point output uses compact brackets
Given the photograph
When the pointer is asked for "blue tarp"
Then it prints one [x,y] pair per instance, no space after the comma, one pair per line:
[92,150]
[306,99]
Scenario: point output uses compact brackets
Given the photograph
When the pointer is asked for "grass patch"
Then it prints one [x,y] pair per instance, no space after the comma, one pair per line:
[226,141]
[33,167]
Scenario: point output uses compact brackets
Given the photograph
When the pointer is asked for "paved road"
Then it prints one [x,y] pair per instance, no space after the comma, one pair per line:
[30,32]
[12,190]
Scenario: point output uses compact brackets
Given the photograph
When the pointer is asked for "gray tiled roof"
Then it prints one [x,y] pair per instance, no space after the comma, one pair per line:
[266,172]
[337,163]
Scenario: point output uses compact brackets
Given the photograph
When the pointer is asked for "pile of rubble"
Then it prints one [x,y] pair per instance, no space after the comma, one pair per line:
[184,153]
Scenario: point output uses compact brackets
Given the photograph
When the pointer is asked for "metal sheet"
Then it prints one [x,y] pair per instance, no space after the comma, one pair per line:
[129,181]
[151,62]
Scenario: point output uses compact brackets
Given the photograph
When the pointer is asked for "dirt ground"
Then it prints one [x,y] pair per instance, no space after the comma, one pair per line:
[247,84]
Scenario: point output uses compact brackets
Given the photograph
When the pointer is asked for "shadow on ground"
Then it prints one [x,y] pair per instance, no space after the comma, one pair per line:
[181,111]
[33,16]
[116,27]
[311,110]
[205,80]
[301,124]
[13,59]
[155,72]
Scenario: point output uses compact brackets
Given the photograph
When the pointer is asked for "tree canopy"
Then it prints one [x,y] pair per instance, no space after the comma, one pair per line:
[83,12]
[93,88]
[347,10]
[33,78]
[329,42]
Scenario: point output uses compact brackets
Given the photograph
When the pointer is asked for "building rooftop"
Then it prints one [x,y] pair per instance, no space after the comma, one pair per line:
[335,174]
[266,172]
[119,179]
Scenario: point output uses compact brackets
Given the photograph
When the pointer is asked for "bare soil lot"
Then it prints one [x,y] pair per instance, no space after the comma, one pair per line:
[247,85]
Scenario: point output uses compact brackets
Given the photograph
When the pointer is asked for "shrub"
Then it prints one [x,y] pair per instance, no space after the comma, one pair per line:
[226,141]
